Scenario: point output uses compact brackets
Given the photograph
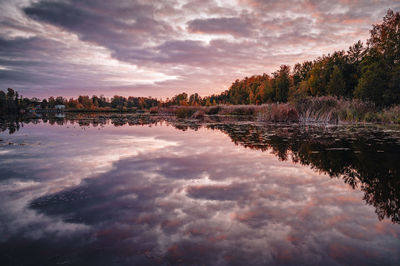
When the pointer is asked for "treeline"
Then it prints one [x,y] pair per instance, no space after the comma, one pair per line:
[11,102]
[368,72]
[101,102]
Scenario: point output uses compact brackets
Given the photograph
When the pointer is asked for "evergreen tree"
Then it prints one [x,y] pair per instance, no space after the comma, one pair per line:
[336,85]
[392,95]
[373,83]
[282,83]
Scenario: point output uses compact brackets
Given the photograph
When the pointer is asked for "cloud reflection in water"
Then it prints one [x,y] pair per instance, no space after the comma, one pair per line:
[148,195]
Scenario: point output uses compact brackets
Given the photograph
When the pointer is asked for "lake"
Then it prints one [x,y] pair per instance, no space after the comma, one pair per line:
[148,190]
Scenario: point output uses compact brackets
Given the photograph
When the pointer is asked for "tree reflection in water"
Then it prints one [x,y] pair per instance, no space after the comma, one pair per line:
[365,157]
[95,191]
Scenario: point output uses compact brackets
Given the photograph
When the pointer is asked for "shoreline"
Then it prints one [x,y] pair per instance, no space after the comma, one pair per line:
[127,117]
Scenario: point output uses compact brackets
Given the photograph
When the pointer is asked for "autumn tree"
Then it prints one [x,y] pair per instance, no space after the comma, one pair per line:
[194,99]
[385,38]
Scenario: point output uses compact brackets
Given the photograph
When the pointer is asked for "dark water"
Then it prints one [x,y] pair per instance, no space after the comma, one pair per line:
[145,191]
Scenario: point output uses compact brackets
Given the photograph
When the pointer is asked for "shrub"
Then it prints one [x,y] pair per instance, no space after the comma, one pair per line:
[154,110]
[184,112]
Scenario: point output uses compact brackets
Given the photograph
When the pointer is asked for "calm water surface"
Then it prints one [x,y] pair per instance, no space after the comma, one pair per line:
[148,191]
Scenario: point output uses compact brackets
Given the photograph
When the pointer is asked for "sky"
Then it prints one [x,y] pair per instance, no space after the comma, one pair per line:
[161,48]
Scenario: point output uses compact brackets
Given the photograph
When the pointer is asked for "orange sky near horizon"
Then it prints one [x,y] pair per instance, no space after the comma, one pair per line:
[161,48]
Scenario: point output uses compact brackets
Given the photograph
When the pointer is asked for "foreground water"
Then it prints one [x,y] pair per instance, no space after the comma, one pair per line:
[146,191]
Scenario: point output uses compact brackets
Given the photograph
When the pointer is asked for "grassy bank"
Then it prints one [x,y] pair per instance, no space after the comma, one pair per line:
[325,109]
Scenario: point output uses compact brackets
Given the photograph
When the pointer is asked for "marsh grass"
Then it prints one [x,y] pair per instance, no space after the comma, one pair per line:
[248,110]
[326,110]
[276,112]
[390,115]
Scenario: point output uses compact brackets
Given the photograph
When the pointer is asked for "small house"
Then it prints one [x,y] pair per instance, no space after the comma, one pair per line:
[59,107]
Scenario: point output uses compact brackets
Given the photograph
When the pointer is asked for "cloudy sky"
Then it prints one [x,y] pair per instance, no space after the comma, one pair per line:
[160,48]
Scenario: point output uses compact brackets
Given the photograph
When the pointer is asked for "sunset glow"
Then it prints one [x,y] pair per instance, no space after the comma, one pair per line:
[161,48]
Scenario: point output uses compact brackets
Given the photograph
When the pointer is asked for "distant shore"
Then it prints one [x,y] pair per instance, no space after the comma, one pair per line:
[325,110]
[320,110]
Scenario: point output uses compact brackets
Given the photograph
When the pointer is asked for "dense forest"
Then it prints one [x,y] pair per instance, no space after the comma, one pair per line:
[370,72]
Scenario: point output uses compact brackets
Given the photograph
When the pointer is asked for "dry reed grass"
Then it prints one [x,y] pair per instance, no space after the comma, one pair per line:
[326,109]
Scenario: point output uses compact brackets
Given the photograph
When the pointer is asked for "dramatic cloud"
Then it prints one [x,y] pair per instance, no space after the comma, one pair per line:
[234,26]
[160,48]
